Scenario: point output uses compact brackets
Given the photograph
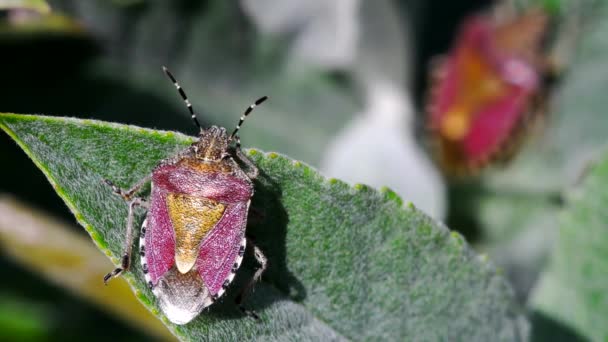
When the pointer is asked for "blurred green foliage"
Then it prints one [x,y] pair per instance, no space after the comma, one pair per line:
[573,289]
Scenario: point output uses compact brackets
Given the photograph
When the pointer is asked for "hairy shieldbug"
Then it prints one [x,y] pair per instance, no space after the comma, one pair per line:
[488,90]
[193,238]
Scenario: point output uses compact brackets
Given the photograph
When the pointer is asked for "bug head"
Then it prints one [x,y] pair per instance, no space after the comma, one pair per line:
[212,144]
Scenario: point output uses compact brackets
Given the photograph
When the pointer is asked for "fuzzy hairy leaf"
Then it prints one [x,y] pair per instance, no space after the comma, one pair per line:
[574,288]
[345,262]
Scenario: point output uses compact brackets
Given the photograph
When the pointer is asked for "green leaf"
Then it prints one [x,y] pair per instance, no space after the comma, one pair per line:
[574,288]
[345,263]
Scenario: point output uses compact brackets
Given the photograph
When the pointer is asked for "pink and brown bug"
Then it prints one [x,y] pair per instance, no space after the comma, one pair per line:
[193,238]
[488,90]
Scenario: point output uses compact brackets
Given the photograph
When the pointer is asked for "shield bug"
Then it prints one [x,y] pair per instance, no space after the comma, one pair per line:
[193,238]
[488,90]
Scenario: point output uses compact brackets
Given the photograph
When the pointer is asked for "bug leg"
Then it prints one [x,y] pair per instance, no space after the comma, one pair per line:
[251,170]
[128,246]
[263,261]
[127,194]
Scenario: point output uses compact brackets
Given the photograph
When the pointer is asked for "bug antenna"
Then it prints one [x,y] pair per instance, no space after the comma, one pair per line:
[246,113]
[183,95]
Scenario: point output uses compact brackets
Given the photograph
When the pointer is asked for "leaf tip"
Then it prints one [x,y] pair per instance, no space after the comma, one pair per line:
[163,318]
[361,187]
[97,237]
[145,299]
[384,189]
[391,195]
[458,239]
[78,215]
[94,234]
[410,205]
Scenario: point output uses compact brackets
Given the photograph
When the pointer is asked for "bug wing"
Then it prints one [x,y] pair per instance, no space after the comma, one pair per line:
[222,250]
[494,125]
[182,296]
[181,199]
[159,239]
[452,83]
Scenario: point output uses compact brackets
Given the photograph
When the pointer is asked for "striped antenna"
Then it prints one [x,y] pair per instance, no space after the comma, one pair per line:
[247,112]
[183,95]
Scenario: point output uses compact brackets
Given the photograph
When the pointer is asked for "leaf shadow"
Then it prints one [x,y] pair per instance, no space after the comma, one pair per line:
[267,226]
[545,328]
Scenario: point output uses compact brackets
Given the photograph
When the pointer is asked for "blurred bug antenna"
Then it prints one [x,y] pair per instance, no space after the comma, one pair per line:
[183,95]
[245,114]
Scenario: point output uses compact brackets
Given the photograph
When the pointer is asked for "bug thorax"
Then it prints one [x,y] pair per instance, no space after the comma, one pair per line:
[212,144]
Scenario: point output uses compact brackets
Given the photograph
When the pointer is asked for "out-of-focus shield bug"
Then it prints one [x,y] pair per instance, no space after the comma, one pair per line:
[193,238]
[485,93]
